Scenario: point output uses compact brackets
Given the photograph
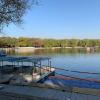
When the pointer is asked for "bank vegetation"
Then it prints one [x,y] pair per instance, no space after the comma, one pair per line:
[45,43]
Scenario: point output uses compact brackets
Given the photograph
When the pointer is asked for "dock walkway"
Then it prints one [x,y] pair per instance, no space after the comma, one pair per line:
[10,92]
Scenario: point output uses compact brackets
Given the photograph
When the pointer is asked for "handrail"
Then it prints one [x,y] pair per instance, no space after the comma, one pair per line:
[77,71]
[62,76]
[66,77]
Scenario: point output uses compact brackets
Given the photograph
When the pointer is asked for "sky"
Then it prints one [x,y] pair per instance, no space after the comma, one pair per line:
[60,19]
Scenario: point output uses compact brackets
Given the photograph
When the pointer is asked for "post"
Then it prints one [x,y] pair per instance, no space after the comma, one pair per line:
[2,64]
[50,65]
[35,67]
[22,66]
[18,66]
[40,68]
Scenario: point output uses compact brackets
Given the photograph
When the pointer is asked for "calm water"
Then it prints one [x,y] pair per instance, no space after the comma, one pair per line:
[71,59]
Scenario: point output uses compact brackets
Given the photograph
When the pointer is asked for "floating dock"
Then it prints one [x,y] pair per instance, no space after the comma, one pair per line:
[28,69]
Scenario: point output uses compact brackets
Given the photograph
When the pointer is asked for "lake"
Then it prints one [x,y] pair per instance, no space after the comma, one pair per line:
[70,59]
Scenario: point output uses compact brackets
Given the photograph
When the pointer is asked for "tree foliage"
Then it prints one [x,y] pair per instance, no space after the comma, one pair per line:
[11,11]
[36,42]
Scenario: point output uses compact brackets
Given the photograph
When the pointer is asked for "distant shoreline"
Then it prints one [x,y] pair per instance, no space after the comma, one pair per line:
[35,48]
[46,47]
[32,49]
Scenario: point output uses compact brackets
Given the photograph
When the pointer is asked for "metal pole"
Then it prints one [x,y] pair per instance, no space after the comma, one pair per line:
[2,64]
[47,66]
[22,66]
[34,67]
[50,65]
[40,67]
[48,62]
[18,66]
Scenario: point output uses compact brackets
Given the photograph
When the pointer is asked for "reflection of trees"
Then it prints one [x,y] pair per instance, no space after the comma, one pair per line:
[58,51]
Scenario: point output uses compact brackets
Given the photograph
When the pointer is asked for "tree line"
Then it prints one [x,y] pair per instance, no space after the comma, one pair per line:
[37,42]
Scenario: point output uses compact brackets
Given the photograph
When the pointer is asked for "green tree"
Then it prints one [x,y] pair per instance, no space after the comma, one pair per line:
[11,11]
[73,43]
[23,42]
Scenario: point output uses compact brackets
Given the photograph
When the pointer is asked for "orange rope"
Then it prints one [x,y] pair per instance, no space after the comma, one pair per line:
[71,78]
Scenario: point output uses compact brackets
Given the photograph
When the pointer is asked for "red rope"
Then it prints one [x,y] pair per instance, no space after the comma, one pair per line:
[77,71]
[71,78]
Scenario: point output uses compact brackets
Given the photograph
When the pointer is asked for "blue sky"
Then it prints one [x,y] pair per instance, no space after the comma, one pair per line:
[60,19]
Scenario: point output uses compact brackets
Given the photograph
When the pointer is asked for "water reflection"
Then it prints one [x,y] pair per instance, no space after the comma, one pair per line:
[71,59]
